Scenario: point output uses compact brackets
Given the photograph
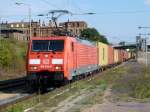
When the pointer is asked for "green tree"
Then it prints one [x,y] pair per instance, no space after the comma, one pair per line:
[94,35]
[12,53]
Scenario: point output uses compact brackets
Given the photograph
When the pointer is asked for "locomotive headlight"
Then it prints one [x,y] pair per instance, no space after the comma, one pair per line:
[34,68]
[58,68]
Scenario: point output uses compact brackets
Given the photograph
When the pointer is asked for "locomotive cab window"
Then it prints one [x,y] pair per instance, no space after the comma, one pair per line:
[48,45]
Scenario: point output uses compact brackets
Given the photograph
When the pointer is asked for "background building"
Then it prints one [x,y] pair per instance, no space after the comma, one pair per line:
[76,27]
[21,30]
[7,32]
[142,44]
[25,27]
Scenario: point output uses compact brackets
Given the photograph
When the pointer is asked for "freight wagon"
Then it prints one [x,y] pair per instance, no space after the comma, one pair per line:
[111,52]
[102,54]
[116,56]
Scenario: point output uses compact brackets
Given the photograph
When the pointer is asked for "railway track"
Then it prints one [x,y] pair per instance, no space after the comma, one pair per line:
[15,88]
[9,84]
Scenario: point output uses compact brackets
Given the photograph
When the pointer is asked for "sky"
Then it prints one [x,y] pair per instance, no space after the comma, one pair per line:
[118,20]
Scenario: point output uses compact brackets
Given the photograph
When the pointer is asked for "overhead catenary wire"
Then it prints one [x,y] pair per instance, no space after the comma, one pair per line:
[96,13]
[67,5]
[79,7]
[49,3]
[69,2]
[123,12]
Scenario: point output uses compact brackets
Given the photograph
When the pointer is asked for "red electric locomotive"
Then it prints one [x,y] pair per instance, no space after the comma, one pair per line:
[59,59]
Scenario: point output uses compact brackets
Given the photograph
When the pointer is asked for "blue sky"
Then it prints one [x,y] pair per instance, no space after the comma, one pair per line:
[117,19]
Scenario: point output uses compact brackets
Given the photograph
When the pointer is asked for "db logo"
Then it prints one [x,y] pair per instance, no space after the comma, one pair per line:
[46,61]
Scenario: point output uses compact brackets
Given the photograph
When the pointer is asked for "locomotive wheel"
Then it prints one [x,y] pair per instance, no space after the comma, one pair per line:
[41,86]
[66,81]
[30,86]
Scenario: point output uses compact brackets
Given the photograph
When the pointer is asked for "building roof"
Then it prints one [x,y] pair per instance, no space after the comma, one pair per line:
[62,23]
[75,22]
[23,22]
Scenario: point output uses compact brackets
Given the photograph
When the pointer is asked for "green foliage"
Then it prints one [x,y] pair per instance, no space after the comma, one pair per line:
[14,109]
[7,54]
[12,53]
[93,34]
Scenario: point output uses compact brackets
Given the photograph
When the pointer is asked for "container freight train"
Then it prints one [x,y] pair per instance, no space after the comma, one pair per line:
[57,60]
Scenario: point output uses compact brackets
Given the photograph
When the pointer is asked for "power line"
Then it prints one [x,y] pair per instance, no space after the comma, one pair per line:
[67,4]
[76,5]
[117,12]
[96,13]
[47,2]
[123,12]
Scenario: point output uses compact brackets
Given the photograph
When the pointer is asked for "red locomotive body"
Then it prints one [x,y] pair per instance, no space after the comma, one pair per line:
[54,59]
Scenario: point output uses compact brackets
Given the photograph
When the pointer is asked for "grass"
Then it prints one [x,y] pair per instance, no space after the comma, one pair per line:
[135,84]
[102,82]
[129,83]
[141,85]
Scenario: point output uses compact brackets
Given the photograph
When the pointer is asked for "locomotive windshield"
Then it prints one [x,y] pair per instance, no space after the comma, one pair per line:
[47,45]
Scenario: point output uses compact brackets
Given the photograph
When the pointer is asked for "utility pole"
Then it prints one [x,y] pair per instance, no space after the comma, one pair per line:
[146,51]
[138,44]
[0,28]
[145,46]
[29,13]
[29,8]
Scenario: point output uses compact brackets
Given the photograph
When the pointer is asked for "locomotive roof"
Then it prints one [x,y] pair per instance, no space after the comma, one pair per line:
[86,42]
[47,38]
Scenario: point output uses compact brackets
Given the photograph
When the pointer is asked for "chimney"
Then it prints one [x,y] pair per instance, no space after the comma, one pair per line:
[50,23]
[43,24]
[39,22]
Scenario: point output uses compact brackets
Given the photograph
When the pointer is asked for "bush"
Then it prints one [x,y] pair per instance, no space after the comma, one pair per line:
[12,54]
[6,53]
